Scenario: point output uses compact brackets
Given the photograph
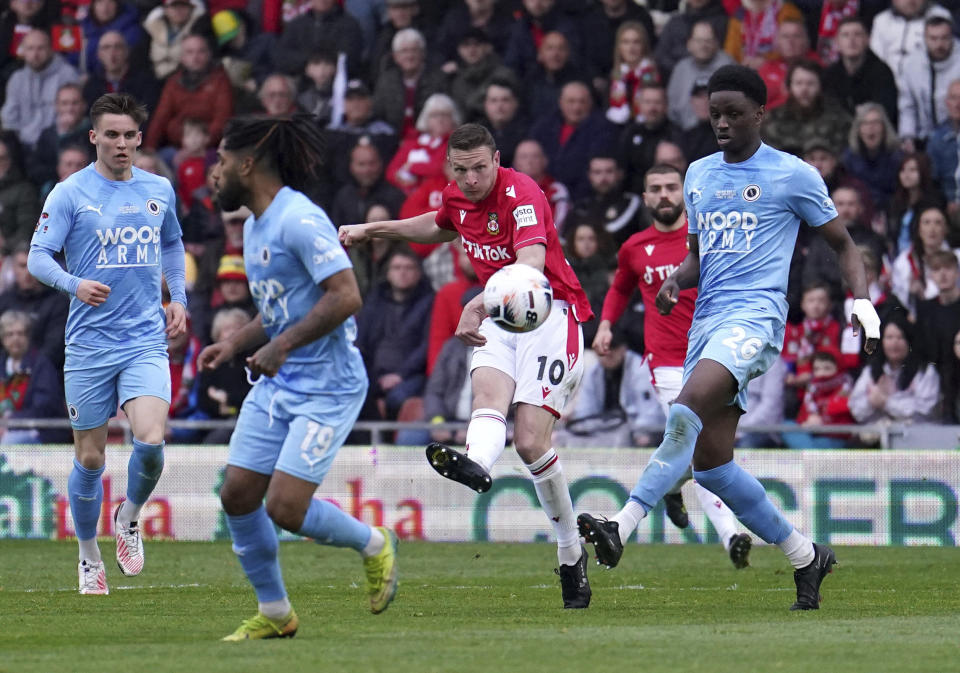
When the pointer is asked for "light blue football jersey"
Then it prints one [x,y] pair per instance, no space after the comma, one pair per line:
[288,251]
[746,216]
[112,231]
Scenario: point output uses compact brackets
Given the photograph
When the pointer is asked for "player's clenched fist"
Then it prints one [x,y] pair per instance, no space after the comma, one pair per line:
[92,293]
[352,234]
[668,295]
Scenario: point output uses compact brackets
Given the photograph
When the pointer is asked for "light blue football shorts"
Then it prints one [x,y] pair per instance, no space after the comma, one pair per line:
[296,433]
[96,379]
[746,343]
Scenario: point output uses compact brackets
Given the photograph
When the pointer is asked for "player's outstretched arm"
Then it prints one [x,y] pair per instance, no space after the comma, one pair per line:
[685,277]
[468,329]
[419,229]
[340,300]
[851,266]
[249,336]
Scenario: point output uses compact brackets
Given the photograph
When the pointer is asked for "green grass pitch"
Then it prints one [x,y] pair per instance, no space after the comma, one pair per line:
[484,607]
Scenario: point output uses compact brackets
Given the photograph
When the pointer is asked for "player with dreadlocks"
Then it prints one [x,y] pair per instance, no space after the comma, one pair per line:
[312,381]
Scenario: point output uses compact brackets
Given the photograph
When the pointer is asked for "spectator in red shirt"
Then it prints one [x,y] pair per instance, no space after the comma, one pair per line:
[423,156]
[792,45]
[824,403]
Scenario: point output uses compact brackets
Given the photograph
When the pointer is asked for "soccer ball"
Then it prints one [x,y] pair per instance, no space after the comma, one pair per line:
[518,298]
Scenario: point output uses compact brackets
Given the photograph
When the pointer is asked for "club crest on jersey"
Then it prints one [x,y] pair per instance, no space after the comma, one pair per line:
[493,224]
[73,411]
[153,207]
[751,193]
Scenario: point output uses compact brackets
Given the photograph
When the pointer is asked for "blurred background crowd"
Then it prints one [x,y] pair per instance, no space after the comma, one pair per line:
[583,96]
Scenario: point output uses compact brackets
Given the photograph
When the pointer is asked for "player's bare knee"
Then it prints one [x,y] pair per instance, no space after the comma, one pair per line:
[285,512]
[530,445]
[236,499]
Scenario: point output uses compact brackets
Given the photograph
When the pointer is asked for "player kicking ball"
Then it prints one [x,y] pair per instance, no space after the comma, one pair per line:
[504,218]
[118,228]
[744,206]
[644,262]
[310,382]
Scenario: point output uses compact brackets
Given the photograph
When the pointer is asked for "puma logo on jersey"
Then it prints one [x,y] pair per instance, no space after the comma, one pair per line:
[463,216]
[98,210]
[659,462]
[649,249]
[511,192]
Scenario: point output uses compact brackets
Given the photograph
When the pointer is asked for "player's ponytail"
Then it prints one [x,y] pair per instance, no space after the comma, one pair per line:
[292,147]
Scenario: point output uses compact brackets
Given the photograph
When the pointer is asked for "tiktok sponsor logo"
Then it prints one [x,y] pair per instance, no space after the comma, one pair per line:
[658,274]
[490,253]
[125,247]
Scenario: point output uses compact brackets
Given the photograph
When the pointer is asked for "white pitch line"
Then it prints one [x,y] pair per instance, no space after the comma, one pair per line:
[115,588]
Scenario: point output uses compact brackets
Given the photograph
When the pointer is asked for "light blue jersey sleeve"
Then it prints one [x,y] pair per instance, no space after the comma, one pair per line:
[316,245]
[808,197]
[56,220]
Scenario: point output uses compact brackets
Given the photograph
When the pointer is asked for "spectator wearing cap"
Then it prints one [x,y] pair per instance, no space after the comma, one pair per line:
[365,188]
[70,128]
[703,59]
[29,107]
[618,211]
[491,17]
[503,118]
[108,16]
[116,74]
[400,14]
[403,87]
[537,19]
[247,56]
[571,134]
[806,114]
[358,124]
[859,76]
[898,32]
[699,140]
[325,25]
[232,290]
[601,23]
[199,90]
[672,45]
[926,75]
[554,68]
[793,44]
[476,65]
[640,138]
[423,156]
[167,26]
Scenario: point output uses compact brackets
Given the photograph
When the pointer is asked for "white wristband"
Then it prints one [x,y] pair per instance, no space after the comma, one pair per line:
[867,315]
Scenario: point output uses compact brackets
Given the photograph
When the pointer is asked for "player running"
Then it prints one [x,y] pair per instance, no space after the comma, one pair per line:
[744,206]
[118,228]
[503,218]
[311,382]
[644,261]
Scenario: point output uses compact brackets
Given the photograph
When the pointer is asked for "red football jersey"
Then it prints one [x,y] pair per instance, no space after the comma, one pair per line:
[644,261]
[515,214]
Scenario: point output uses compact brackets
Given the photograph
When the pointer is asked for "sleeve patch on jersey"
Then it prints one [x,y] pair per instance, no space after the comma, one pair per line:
[525,216]
[326,252]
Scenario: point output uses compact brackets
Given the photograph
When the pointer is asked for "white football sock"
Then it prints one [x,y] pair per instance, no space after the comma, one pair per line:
[276,609]
[629,518]
[89,551]
[554,495]
[722,518]
[799,549]
[374,544]
[128,512]
[486,437]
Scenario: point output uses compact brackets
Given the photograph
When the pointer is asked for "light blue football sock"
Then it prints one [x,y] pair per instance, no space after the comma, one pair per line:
[143,470]
[746,496]
[327,524]
[671,459]
[256,545]
[85,491]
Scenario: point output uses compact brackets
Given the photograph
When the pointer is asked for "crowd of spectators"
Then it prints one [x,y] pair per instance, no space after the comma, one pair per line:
[582,95]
